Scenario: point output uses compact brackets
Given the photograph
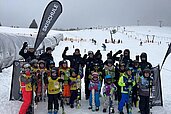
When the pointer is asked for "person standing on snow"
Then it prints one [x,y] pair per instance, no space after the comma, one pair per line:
[144,86]
[76,61]
[125,81]
[94,87]
[109,90]
[26,87]
[125,58]
[89,62]
[54,90]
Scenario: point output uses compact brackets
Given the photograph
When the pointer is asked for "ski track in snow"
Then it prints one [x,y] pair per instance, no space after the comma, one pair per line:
[155,56]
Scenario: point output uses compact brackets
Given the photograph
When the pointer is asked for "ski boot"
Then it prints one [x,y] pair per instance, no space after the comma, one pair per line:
[121,112]
[97,108]
[55,111]
[49,111]
[112,110]
[104,110]
[72,106]
[90,107]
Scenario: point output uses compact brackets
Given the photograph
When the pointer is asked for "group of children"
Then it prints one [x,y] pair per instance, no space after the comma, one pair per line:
[64,83]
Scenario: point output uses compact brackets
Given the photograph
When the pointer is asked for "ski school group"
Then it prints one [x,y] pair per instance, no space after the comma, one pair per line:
[117,80]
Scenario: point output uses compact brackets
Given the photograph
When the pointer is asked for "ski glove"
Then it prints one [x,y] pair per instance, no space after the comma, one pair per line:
[129,84]
[25,45]
[66,49]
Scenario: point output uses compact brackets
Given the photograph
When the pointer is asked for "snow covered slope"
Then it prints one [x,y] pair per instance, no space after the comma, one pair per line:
[155,51]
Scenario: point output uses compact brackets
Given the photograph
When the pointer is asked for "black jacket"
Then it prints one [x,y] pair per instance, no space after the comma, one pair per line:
[47,58]
[75,60]
[28,56]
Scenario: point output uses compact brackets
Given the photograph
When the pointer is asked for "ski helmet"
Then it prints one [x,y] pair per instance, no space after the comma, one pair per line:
[126,52]
[73,71]
[143,56]
[26,65]
[34,61]
[109,61]
[41,62]
[147,70]
[129,69]
[96,66]
[95,77]
[90,52]
[108,79]
[108,76]
[54,73]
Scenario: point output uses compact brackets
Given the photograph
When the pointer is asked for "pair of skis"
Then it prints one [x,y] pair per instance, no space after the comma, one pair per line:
[80,73]
[111,108]
[129,105]
[62,100]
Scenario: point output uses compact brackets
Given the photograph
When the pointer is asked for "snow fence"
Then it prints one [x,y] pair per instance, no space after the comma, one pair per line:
[10,45]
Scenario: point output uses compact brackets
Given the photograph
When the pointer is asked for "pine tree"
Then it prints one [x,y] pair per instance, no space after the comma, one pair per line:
[33,24]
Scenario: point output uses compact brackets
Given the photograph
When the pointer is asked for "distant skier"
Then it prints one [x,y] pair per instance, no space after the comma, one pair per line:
[104,47]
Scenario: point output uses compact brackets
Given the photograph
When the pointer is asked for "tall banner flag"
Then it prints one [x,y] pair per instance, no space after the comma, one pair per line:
[51,14]
[167,53]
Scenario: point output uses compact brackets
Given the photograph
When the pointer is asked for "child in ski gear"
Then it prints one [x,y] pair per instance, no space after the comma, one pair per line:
[53,90]
[136,73]
[64,73]
[144,91]
[97,69]
[109,69]
[26,87]
[73,87]
[94,87]
[119,71]
[109,90]
[41,86]
[126,82]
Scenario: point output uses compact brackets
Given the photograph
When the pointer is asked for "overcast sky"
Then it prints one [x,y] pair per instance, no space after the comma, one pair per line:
[86,13]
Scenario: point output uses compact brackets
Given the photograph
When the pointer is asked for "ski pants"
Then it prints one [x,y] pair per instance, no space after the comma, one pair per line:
[134,95]
[144,104]
[107,101]
[96,98]
[124,99]
[73,96]
[53,99]
[27,98]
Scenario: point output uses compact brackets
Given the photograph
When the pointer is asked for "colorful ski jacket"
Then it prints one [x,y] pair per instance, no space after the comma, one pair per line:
[123,80]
